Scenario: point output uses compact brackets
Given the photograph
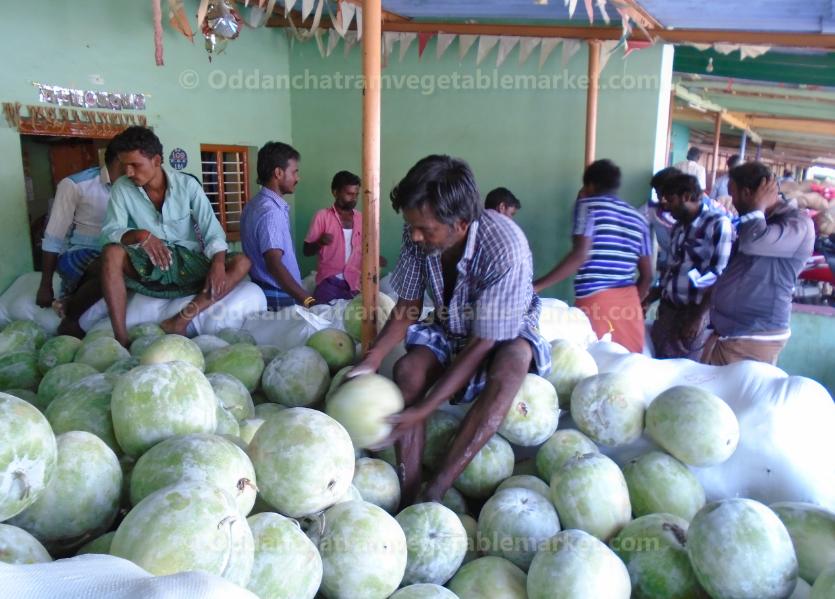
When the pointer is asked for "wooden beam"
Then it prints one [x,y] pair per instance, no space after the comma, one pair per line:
[592,95]
[812,126]
[650,22]
[670,128]
[371,70]
[734,120]
[673,36]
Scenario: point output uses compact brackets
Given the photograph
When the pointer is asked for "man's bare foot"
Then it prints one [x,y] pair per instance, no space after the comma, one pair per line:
[71,327]
[176,325]
[59,308]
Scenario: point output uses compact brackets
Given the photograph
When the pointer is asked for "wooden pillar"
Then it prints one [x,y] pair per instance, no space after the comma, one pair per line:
[592,95]
[371,66]
[717,134]
[743,146]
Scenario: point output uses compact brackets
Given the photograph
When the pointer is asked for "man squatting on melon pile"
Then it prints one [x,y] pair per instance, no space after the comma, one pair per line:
[161,237]
[482,340]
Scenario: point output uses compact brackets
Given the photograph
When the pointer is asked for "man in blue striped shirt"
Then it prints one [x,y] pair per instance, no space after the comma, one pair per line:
[700,249]
[610,256]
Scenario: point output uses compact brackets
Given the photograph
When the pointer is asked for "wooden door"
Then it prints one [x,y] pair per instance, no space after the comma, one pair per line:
[67,158]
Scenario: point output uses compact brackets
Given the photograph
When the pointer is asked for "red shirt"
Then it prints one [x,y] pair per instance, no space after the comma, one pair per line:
[332,256]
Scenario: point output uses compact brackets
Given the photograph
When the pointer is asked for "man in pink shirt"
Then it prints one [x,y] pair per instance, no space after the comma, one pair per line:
[336,236]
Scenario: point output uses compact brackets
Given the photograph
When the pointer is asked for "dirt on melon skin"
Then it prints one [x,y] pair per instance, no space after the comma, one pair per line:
[812,530]
[22,335]
[363,552]
[377,483]
[609,408]
[561,447]
[81,498]
[234,336]
[187,526]
[19,370]
[363,406]
[591,495]
[209,343]
[436,542]
[170,348]
[533,415]
[100,545]
[570,364]
[424,591]
[740,548]
[515,524]
[153,403]
[85,406]
[335,346]
[659,483]
[490,466]
[60,379]
[440,430]
[576,565]
[208,459]
[526,481]
[297,378]
[303,459]
[19,547]
[287,564]
[654,550]
[56,351]
[28,455]
[101,353]
[489,576]
[692,425]
[232,395]
[241,360]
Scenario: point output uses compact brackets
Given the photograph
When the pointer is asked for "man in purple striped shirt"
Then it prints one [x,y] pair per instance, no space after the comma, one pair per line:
[483,339]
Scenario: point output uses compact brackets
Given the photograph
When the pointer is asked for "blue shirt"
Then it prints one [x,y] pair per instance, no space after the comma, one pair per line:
[619,236]
[265,225]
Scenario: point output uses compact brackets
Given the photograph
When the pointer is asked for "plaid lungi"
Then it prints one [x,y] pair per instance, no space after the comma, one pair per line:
[72,265]
[186,275]
[433,337]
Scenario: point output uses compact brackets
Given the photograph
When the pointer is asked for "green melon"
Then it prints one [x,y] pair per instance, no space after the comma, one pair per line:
[297,378]
[570,364]
[335,346]
[354,311]
[170,348]
[609,408]
[145,329]
[234,336]
[19,547]
[243,361]
[489,576]
[139,345]
[19,370]
[533,415]
[100,545]
[22,335]
[424,591]
[232,395]
[824,587]
[812,529]
[209,343]
[377,483]
[659,483]
[526,481]
[56,351]
[59,379]
[85,406]
[440,430]
[363,406]
[100,353]
[436,542]
[489,467]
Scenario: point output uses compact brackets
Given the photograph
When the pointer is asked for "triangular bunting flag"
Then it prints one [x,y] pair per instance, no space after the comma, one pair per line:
[601,6]
[288,6]
[423,40]
[359,23]
[350,41]
[485,44]
[444,41]
[344,17]
[333,40]
[569,49]
[752,51]
[607,48]
[506,45]
[389,37]
[572,6]
[406,40]
[635,45]
[465,42]
[318,16]
[526,48]
[725,48]
[319,34]
[307,8]
[590,10]
[548,45]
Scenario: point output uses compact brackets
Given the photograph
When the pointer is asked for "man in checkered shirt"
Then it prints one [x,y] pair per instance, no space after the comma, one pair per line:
[482,339]
[700,247]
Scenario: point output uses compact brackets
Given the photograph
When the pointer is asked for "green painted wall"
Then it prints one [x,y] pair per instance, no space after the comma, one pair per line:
[112,42]
[679,142]
[811,348]
[529,140]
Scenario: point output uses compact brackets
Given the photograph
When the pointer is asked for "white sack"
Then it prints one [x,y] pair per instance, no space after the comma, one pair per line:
[18,302]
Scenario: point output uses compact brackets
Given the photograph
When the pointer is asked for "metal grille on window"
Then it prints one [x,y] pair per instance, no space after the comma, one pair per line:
[225,172]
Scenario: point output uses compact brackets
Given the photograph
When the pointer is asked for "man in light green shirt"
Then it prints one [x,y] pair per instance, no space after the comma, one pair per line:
[161,237]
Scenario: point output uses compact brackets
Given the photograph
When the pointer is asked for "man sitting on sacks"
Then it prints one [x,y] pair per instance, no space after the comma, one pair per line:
[161,238]
[483,339]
